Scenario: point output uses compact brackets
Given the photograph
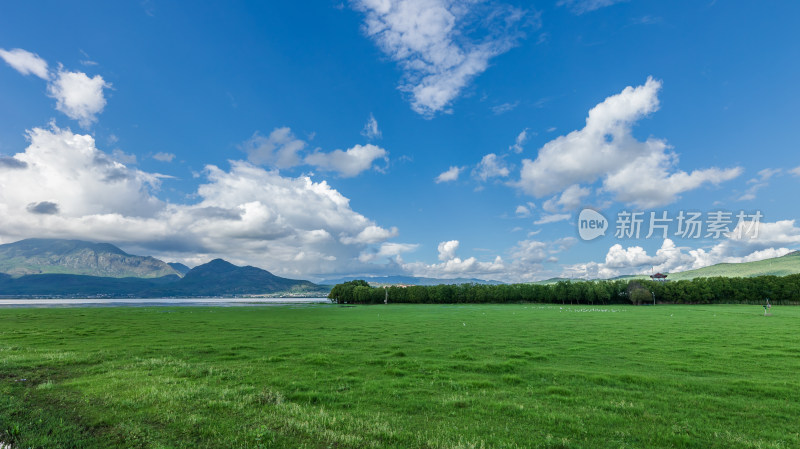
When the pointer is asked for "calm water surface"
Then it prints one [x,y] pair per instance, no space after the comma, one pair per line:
[128,302]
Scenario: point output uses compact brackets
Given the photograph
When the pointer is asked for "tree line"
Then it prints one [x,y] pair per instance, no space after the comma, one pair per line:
[780,290]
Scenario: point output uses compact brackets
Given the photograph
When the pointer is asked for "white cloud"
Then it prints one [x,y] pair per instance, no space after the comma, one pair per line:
[523,210]
[123,157]
[531,251]
[447,250]
[280,149]
[441,45]
[25,62]
[520,141]
[636,256]
[371,130]
[453,266]
[491,166]
[584,6]
[78,96]
[528,256]
[388,250]
[457,267]
[637,172]
[503,108]
[772,240]
[571,198]
[65,187]
[370,234]
[795,171]
[526,262]
[347,163]
[647,182]
[759,183]
[551,218]
[164,157]
[450,175]
[67,169]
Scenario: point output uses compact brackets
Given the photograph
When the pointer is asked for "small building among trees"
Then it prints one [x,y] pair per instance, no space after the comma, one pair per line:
[659,277]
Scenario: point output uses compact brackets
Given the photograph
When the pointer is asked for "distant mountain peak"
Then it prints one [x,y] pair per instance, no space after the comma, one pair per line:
[179,267]
[222,277]
[217,265]
[64,256]
[61,246]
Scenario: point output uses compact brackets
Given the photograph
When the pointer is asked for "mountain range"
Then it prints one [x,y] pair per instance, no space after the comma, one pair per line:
[50,256]
[55,267]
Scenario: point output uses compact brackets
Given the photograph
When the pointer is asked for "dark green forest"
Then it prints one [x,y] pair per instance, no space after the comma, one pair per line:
[780,290]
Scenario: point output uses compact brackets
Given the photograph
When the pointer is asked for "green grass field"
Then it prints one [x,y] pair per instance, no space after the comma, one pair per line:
[428,376]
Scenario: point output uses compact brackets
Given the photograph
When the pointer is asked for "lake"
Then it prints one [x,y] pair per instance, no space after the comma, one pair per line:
[133,302]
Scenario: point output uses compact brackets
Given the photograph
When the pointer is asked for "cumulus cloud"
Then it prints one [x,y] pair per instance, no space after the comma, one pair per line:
[584,6]
[247,214]
[451,174]
[747,243]
[347,163]
[642,173]
[530,251]
[447,250]
[526,262]
[453,266]
[441,45]
[528,255]
[280,149]
[79,97]
[371,130]
[491,166]
[524,210]
[570,199]
[520,141]
[164,157]
[370,234]
[795,171]
[26,62]
[68,169]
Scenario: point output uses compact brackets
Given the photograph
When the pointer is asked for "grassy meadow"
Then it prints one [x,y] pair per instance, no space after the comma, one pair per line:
[401,376]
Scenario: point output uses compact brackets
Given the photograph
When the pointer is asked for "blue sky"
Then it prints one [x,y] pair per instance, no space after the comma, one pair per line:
[433,138]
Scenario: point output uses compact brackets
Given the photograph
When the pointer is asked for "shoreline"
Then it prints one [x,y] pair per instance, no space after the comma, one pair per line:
[116,302]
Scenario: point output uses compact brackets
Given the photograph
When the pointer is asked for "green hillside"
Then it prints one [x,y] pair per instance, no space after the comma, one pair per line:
[778,266]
